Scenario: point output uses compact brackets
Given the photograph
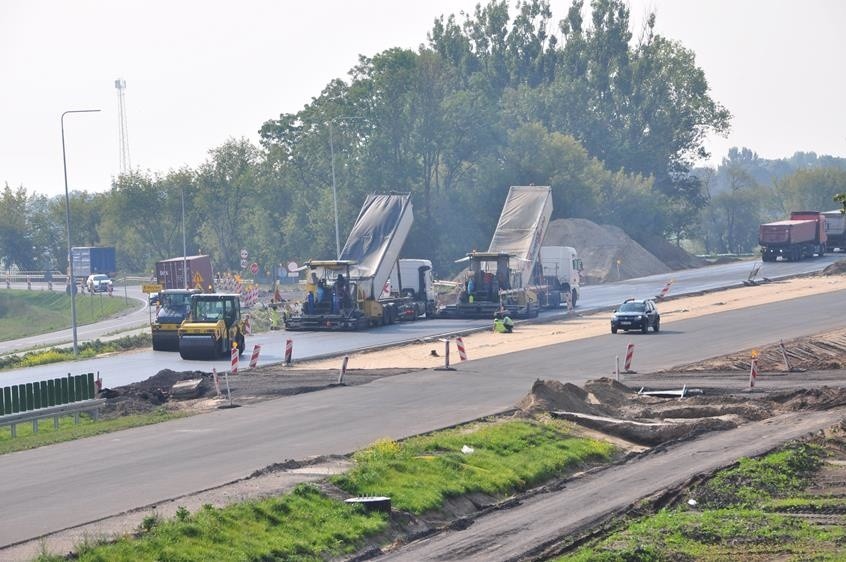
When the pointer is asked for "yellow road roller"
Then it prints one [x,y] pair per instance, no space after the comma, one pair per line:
[212,327]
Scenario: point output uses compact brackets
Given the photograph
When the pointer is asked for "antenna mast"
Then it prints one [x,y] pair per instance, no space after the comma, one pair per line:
[123,131]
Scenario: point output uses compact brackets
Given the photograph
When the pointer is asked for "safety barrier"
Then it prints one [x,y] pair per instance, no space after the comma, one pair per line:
[33,401]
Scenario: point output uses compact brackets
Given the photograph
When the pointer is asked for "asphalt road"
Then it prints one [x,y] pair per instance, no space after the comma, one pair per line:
[61,486]
[123,369]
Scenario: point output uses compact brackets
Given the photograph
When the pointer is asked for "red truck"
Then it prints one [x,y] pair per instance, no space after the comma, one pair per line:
[803,235]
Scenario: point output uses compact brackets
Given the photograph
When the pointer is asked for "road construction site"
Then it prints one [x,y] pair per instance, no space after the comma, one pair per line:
[719,398]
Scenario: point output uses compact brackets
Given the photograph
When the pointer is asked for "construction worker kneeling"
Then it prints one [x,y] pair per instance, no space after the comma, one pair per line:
[503,323]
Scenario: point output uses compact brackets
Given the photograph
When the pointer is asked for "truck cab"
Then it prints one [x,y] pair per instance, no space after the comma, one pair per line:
[562,270]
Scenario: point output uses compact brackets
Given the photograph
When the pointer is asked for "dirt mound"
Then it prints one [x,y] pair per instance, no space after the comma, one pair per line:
[609,392]
[608,254]
[837,268]
[671,255]
[546,396]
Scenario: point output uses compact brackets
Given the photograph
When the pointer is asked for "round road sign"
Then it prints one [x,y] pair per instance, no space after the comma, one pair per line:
[254,267]
[292,266]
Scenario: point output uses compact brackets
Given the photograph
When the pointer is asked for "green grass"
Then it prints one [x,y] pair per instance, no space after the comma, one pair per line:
[420,473]
[68,431]
[86,350]
[303,525]
[734,518]
[27,313]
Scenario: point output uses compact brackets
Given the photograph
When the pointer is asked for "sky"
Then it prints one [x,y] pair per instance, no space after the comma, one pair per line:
[200,72]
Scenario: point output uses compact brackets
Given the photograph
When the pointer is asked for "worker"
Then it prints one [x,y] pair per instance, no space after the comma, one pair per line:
[508,323]
[499,324]
[321,291]
[310,303]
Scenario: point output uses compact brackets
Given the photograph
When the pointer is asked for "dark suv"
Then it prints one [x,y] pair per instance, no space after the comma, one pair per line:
[636,315]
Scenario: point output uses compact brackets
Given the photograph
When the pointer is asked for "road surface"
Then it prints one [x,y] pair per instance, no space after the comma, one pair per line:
[97,477]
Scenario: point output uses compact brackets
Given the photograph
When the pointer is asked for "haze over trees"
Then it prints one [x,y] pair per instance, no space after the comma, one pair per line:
[612,118]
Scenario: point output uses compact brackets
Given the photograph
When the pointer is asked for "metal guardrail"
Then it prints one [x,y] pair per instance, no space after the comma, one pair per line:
[41,399]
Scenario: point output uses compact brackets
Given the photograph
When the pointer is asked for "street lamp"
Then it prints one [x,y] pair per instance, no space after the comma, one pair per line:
[184,251]
[334,194]
[71,281]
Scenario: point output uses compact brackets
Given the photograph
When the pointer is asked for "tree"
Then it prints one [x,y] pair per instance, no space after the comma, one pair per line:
[16,238]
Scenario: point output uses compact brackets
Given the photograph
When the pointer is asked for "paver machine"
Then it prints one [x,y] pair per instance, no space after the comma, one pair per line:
[213,326]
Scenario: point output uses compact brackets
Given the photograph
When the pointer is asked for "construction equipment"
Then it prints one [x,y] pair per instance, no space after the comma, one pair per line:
[213,326]
[173,308]
[355,292]
[507,277]
[561,271]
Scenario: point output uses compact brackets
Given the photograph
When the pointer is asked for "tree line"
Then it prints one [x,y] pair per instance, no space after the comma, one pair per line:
[613,122]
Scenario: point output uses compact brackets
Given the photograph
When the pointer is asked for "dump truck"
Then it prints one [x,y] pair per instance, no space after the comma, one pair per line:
[835,230]
[189,272]
[508,277]
[411,279]
[803,235]
[213,326]
[353,292]
[173,307]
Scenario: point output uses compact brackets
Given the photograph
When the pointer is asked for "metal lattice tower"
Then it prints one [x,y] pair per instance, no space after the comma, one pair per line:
[123,131]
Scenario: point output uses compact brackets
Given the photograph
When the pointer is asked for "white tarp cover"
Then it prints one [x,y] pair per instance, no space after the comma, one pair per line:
[522,225]
[375,237]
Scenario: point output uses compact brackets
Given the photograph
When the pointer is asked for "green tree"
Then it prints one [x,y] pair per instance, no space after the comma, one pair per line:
[16,237]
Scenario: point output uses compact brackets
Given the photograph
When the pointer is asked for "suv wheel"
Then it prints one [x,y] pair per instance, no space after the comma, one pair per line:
[613,329]
[657,325]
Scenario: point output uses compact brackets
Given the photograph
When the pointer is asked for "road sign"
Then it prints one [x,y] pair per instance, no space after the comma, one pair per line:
[244,264]
[244,254]
[151,288]
[292,266]
[254,267]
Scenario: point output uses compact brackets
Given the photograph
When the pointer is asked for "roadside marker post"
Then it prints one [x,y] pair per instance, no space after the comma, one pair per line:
[446,366]
[617,366]
[234,362]
[289,351]
[216,382]
[629,355]
[255,357]
[459,343]
[343,369]
[753,370]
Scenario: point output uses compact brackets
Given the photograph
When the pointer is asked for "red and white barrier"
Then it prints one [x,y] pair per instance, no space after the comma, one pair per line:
[627,368]
[459,343]
[255,357]
[753,372]
[665,290]
[234,368]
[289,351]
[343,369]
[216,382]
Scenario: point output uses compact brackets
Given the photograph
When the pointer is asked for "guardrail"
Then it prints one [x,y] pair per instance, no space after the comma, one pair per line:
[33,401]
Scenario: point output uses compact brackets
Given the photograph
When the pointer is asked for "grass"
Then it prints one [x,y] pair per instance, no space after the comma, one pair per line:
[48,311]
[734,518]
[68,430]
[85,349]
[418,475]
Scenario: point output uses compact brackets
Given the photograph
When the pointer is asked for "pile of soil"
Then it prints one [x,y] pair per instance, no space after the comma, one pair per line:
[837,268]
[607,253]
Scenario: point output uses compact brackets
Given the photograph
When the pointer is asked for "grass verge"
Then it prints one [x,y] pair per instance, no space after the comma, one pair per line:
[418,474]
[48,311]
[740,514]
[86,350]
[68,430]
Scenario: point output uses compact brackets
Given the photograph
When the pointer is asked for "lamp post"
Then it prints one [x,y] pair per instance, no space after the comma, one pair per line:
[334,194]
[71,280]
[184,251]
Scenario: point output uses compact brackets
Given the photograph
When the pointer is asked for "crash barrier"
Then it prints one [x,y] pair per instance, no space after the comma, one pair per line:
[32,401]
[629,355]
[459,343]
[234,355]
[289,351]
[255,357]
[343,369]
